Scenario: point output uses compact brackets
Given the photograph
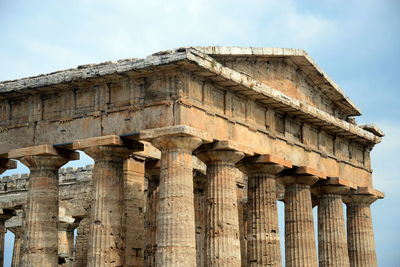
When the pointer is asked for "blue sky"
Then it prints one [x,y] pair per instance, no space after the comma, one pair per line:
[356,42]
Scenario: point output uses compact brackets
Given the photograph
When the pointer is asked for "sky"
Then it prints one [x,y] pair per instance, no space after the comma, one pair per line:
[355,42]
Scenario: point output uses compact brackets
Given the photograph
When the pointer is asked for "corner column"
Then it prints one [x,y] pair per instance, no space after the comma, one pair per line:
[263,241]
[300,246]
[175,232]
[360,235]
[41,229]
[106,238]
[222,218]
[332,241]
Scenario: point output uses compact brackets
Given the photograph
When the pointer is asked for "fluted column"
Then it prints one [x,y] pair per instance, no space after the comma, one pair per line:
[200,216]
[222,229]
[332,241]
[175,233]
[300,247]
[106,239]
[263,241]
[18,242]
[81,244]
[133,212]
[153,180]
[360,235]
[41,233]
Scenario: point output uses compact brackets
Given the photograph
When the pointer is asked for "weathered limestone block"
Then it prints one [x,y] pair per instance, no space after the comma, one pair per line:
[134,212]
[222,230]
[41,232]
[332,241]
[175,233]
[263,241]
[300,247]
[360,235]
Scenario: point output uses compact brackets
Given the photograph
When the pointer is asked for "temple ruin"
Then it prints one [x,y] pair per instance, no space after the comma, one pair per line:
[193,147]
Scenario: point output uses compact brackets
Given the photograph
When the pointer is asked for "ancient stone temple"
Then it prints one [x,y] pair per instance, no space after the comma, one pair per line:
[193,148]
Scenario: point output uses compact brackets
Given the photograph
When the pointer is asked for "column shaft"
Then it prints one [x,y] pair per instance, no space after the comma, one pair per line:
[222,218]
[300,248]
[17,250]
[332,242]
[106,240]
[133,212]
[360,235]
[41,233]
[150,222]
[263,243]
[175,233]
[81,244]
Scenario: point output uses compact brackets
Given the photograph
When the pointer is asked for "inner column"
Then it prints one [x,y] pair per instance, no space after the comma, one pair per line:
[222,218]
[263,242]
[300,246]
[106,239]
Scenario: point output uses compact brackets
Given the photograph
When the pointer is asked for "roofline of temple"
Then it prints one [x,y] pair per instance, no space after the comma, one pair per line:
[202,60]
[299,58]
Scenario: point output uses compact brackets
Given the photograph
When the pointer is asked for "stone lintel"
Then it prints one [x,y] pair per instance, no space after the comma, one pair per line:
[42,150]
[179,130]
[225,145]
[108,140]
[149,152]
[6,164]
[6,214]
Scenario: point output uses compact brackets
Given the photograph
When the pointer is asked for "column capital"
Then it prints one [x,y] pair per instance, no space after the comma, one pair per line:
[365,195]
[108,147]
[221,151]
[300,175]
[266,163]
[43,156]
[332,185]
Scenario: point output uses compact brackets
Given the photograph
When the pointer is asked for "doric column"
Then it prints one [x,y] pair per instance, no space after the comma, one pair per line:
[222,229]
[81,243]
[300,246]
[175,233]
[153,179]
[106,239]
[41,234]
[332,241]
[18,242]
[133,212]
[263,242]
[360,235]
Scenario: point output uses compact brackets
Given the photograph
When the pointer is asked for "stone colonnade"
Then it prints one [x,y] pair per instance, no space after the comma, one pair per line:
[191,222]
